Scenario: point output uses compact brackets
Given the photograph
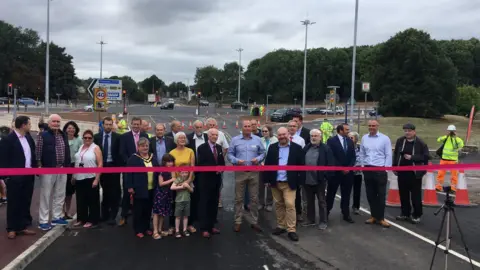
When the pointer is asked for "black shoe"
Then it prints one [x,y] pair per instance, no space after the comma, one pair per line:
[293,236]
[348,219]
[279,231]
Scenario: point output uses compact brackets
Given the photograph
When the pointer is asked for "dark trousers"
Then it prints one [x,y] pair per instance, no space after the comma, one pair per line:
[312,192]
[208,202]
[410,189]
[298,200]
[142,212]
[345,183]
[194,200]
[357,190]
[376,188]
[171,219]
[20,191]
[126,206]
[111,194]
[88,201]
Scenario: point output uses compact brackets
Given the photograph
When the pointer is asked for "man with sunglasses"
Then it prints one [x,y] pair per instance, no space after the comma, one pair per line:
[410,150]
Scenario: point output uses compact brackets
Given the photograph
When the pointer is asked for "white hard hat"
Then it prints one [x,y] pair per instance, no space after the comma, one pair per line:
[451,128]
[120,115]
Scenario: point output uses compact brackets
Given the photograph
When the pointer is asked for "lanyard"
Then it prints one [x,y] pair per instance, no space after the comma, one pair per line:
[82,154]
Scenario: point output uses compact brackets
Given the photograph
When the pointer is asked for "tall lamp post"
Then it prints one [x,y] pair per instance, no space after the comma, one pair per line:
[354,60]
[239,50]
[47,61]
[306,23]
[266,109]
[101,43]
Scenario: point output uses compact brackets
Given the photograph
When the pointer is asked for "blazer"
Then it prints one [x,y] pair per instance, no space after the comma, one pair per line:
[341,158]
[191,142]
[305,134]
[296,157]
[169,146]
[169,134]
[12,155]
[206,158]
[127,145]
[325,158]
[115,141]
[420,157]
[139,181]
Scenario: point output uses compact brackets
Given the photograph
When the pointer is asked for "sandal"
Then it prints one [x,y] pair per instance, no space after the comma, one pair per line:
[148,232]
[78,224]
[178,235]
[192,229]
[171,231]
[140,235]
[157,236]
[164,233]
[186,233]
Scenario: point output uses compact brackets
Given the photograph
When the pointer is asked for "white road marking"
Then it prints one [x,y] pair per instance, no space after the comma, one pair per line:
[265,267]
[423,238]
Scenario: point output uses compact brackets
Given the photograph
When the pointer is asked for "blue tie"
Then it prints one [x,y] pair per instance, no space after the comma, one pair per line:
[345,144]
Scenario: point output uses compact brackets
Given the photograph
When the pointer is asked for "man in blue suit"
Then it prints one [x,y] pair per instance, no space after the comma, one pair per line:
[343,151]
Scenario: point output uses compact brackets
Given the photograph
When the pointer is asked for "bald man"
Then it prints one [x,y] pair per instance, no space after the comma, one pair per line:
[145,127]
[175,127]
[52,151]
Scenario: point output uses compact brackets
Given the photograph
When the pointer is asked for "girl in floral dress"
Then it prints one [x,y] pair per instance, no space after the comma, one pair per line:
[163,199]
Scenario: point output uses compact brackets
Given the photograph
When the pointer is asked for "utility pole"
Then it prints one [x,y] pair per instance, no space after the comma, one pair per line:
[354,60]
[47,61]
[101,55]
[239,50]
[306,23]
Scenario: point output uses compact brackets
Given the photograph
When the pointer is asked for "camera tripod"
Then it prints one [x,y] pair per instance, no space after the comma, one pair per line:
[448,208]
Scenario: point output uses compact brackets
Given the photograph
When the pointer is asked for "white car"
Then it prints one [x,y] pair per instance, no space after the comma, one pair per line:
[88,108]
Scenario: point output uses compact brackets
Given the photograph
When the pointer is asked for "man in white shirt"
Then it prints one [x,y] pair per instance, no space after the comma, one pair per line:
[300,201]
[292,130]
[197,137]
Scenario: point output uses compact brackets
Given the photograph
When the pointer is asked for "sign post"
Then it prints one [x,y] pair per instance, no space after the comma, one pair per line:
[14,103]
[366,90]
[100,99]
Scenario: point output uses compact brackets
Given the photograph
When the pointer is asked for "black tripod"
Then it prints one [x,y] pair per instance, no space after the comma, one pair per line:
[448,207]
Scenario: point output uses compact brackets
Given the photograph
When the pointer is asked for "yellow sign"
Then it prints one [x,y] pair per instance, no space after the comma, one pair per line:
[100,99]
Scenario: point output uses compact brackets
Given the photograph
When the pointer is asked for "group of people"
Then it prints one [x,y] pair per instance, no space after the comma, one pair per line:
[187,199]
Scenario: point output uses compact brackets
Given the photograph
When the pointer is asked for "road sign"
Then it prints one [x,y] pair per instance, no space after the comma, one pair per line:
[366,87]
[100,99]
[113,88]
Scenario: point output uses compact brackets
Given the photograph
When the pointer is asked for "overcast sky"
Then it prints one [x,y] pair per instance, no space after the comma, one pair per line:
[170,38]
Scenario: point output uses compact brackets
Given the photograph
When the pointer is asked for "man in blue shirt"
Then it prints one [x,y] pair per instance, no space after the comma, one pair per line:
[246,150]
[376,151]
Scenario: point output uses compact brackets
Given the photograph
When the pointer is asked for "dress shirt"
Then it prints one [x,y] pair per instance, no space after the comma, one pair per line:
[136,138]
[376,150]
[340,137]
[26,149]
[199,140]
[298,140]
[283,152]
[108,151]
[246,148]
[160,148]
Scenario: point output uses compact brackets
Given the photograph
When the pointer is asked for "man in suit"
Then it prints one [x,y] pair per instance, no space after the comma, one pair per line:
[161,144]
[343,151]
[302,131]
[18,151]
[197,137]
[108,141]
[209,154]
[285,183]
[175,127]
[128,147]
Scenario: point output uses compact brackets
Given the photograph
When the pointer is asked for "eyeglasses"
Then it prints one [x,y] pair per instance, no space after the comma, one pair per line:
[87,138]
[352,138]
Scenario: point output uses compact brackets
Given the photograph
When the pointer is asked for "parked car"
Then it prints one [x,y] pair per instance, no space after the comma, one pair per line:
[27,101]
[315,111]
[285,115]
[167,106]
[204,102]
[372,113]
[88,108]
[238,105]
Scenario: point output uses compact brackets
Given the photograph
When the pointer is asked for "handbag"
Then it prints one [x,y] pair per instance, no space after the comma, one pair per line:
[439,151]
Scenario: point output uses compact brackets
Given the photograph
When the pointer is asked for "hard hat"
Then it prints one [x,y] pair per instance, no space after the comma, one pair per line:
[120,115]
[451,128]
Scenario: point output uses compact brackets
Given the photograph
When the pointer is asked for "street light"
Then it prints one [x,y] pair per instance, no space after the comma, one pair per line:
[47,61]
[354,60]
[239,50]
[306,23]
[266,110]
[101,55]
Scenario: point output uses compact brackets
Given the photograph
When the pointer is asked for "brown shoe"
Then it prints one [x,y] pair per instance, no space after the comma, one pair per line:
[11,235]
[122,222]
[371,220]
[236,228]
[384,224]
[28,232]
[256,228]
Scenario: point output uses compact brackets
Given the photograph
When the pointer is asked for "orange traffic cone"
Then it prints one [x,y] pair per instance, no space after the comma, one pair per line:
[259,124]
[183,126]
[190,127]
[236,125]
[393,199]
[429,192]
[224,125]
[461,195]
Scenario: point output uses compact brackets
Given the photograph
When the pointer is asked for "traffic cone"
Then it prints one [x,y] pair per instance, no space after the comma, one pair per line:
[393,199]
[190,127]
[224,125]
[461,195]
[236,124]
[149,126]
[259,124]
[183,126]
[429,192]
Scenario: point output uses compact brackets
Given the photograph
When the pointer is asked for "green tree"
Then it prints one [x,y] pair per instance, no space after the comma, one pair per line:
[208,81]
[413,77]
[153,84]
[468,96]
[175,88]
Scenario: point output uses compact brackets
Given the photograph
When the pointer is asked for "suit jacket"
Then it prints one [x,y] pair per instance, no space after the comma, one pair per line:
[115,147]
[325,158]
[342,158]
[127,145]
[191,142]
[305,134]
[296,156]
[169,146]
[169,134]
[206,158]
[12,154]
[139,181]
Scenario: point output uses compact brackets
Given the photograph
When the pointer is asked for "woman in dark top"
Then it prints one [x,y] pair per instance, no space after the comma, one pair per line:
[141,188]
[163,199]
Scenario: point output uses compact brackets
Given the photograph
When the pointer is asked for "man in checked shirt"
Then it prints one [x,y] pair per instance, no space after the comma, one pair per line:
[246,150]
[52,152]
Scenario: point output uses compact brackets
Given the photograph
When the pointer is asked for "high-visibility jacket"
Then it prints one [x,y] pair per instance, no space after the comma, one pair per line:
[262,110]
[327,130]
[149,135]
[122,126]
[453,144]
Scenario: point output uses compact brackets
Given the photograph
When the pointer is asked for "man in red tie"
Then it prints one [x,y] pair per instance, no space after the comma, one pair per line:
[209,154]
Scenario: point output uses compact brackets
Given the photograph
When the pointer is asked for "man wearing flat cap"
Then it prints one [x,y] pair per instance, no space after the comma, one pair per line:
[410,150]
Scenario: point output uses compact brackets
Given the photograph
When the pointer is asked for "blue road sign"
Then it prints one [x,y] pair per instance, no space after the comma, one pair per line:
[107,81]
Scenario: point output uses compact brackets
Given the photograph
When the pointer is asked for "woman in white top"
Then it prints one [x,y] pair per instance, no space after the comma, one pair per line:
[267,140]
[88,196]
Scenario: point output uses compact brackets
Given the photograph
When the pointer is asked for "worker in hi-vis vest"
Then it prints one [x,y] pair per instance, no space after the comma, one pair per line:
[451,146]
[122,124]
[327,130]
